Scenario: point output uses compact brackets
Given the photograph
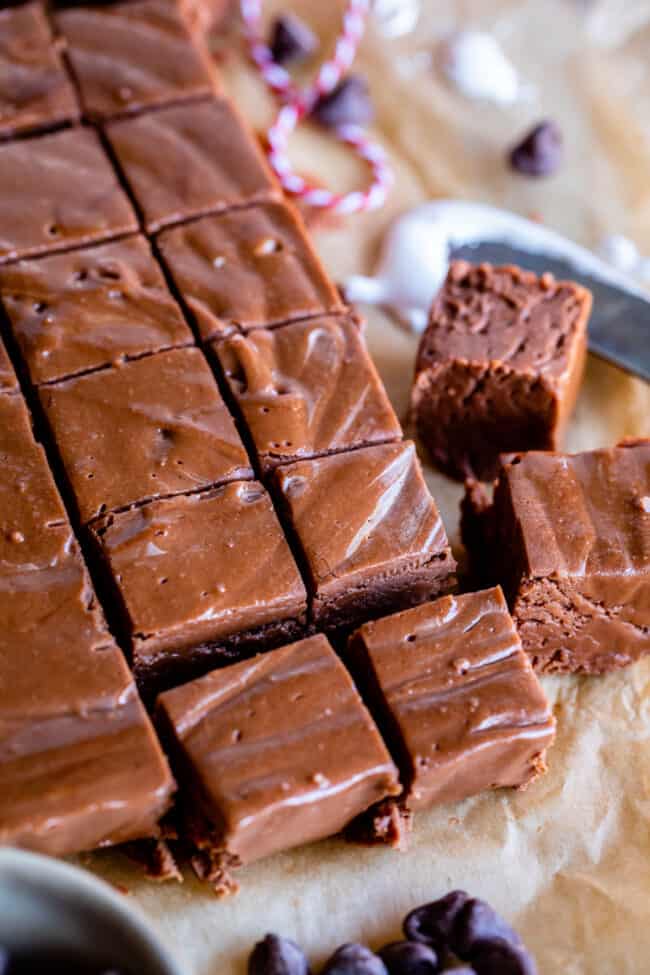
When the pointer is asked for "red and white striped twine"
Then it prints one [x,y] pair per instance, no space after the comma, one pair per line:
[299,102]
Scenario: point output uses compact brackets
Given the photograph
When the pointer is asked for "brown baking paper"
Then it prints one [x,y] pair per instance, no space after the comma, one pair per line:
[568,861]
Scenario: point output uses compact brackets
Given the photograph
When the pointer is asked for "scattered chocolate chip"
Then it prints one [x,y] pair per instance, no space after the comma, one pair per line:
[291,40]
[475,923]
[348,104]
[354,960]
[501,958]
[433,924]
[409,958]
[540,152]
[277,956]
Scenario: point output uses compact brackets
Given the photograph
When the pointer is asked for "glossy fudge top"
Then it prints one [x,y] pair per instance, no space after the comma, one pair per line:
[247,268]
[280,749]
[147,428]
[201,568]
[186,160]
[35,91]
[77,311]
[452,681]
[307,388]
[133,55]
[59,191]
[584,514]
[505,315]
[362,514]
[8,381]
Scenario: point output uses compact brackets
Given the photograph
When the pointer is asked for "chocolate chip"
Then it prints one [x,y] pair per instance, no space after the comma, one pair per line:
[354,960]
[432,924]
[475,923]
[348,104]
[277,956]
[291,40]
[409,958]
[501,958]
[540,152]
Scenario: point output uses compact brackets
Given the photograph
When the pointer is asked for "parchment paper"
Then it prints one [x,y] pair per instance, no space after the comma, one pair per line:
[569,860]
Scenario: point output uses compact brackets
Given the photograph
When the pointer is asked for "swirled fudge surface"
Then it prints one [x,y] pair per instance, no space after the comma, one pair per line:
[75,312]
[307,388]
[499,366]
[456,697]
[183,161]
[276,751]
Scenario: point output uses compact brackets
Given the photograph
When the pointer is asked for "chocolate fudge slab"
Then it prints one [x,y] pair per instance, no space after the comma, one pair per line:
[276,751]
[76,312]
[129,56]
[59,191]
[143,429]
[456,696]
[249,268]
[369,532]
[8,381]
[569,538]
[307,388]
[202,578]
[35,91]
[499,366]
[184,161]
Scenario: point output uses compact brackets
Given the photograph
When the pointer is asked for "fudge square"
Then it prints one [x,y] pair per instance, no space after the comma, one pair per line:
[35,91]
[78,311]
[274,752]
[307,388]
[249,268]
[499,366]
[201,578]
[143,429]
[133,55]
[456,696]
[183,161]
[369,532]
[59,191]
[8,381]
[569,538]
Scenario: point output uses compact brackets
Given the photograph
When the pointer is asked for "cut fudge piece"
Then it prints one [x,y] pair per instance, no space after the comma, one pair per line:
[247,268]
[456,697]
[307,388]
[75,312]
[499,366]
[144,429]
[59,191]
[369,532]
[187,160]
[274,752]
[568,536]
[130,56]
[35,91]
[202,578]
[8,381]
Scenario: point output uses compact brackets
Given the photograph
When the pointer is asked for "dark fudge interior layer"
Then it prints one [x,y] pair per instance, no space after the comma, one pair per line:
[456,696]
[499,366]
[307,388]
[187,160]
[8,381]
[133,55]
[369,532]
[201,578]
[59,191]
[79,764]
[569,538]
[144,429]
[247,269]
[276,751]
[35,91]
[78,311]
